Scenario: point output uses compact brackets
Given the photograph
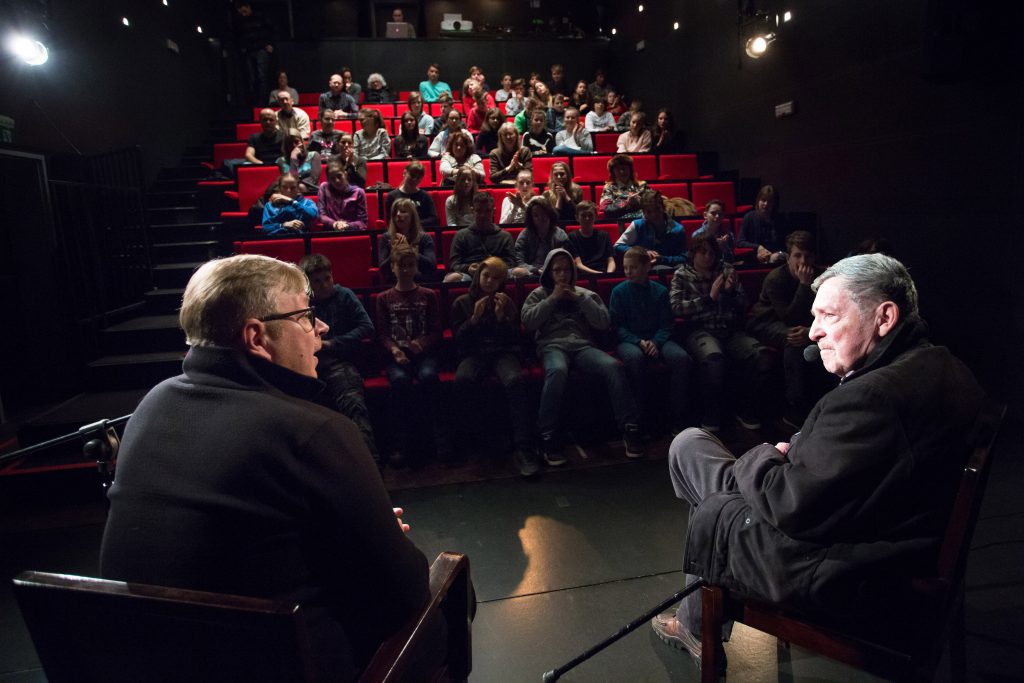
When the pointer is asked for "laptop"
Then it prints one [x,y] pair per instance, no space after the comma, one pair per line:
[397,29]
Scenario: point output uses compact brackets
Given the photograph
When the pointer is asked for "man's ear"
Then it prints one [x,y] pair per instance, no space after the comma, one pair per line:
[886,316]
[255,339]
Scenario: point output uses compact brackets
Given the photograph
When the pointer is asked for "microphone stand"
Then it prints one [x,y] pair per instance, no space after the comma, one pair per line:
[99,442]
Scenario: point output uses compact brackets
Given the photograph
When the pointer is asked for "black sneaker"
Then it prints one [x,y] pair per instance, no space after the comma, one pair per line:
[552,450]
[634,442]
[526,461]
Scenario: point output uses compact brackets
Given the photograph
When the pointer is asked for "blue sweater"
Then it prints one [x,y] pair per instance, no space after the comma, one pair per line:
[671,247]
[348,321]
[274,217]
[641,312]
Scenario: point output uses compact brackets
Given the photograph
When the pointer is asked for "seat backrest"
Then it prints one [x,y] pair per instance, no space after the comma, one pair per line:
[396,171]
[670,190]
[542,167]
[309,99]
[253,182]
[351,258]
[703,192]
[244,130]
[290,249]
[439,197]
[373,209]
[590,169]
[605,143]
[645,166]
[386,110]
[374,172]
[195,635]
[678,166]
[227,150]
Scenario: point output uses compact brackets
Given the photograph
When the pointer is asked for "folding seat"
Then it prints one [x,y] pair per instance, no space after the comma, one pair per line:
[703,192]
[227,150]
[591,193]
[393,126]
[396,169]
[290,249]
[386,110]
[309,99]
[487,171]
[605,143]
[433,108]
[678,167]
[542,167]
[403,95]
[374,172]
[503,106]
[244,130]
[446,245]
[345,125]
[498,194]
[590,169]
[350,255]
[374,211]
[252,183]
[691,225]
[603,287]
[439,197]
[645,166]
[401,107]
[670,190]
[611,228]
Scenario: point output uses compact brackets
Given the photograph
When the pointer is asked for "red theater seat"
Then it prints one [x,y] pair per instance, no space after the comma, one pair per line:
[386,110]
[703,192]
[396,169]
[590,169]
[252,183]
[670,190]
[290,249]
[542,167]
[244,130]
[351,258]
[439,197]
[374,172]
[605,143]
[678,166]
[645,166]
[227,150]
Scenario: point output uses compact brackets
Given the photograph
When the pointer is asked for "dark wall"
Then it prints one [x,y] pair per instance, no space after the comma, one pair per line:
[107,86]
[404,63]
[908,125]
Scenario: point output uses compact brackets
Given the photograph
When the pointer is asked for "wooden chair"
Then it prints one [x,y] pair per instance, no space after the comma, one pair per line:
[912,648]
[87,629]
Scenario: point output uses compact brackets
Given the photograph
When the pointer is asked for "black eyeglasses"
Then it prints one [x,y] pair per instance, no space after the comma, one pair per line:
[308,316]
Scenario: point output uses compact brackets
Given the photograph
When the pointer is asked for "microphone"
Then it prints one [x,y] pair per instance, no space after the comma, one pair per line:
[812,354]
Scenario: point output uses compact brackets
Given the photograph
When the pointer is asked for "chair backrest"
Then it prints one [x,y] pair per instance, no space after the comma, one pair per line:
[645,166]
[605,143]
[195,635]
[702,193]
[374,172]
[244,130]
[253,182]
[590,169]
[396,172]
[678,166]
[227,150]
[351,258]
[542,167]
[290,249]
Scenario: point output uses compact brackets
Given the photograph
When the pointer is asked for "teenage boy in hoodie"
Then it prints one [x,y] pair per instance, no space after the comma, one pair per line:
[485,325]
[642,318]
[563,316]
[661,235]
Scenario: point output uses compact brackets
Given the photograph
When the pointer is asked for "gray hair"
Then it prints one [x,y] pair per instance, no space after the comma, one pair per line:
[870,279]
[222,294]
[376,77]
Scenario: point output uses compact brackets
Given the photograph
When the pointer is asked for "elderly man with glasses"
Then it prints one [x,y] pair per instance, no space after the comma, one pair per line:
[230,479]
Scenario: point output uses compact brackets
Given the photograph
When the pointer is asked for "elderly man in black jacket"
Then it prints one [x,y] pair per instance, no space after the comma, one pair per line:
[854,505]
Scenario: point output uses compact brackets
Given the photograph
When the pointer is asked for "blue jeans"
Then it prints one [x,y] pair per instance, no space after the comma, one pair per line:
[506,367]
[592,361]
[678,362]
[562,150]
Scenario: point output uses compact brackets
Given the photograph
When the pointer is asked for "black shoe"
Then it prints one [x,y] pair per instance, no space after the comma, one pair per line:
[526,461]
[634,442]
[552,451]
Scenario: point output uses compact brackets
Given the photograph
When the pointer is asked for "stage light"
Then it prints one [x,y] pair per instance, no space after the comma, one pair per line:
[124,20]
[614,31]
[787,16]
[199,29]
[675,26]
[164,2]
[758,45]
[30,51]
[640,8]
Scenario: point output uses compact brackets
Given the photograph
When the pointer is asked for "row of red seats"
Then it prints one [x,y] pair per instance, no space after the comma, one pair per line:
[391,110]
[354,257]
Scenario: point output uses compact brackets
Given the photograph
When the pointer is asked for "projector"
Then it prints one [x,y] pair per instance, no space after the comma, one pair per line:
[455,22]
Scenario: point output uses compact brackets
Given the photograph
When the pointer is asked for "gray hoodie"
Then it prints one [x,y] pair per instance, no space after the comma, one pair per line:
[564,325]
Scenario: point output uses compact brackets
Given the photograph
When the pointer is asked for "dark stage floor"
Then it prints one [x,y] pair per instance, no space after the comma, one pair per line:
[564,561]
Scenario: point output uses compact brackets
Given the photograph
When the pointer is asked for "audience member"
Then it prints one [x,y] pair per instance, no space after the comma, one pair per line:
[458,207]
[282,84]
[513,206]
[517,101]
[667,140]
[290,116]
[505,91]
[622,124]
[350,86]
[848,512]
[460,152]
[424,121]
[710,298]
[432,88]
[539,237]
[488,137]
[564,318]
[476,116]
[614,103]
[580,98]
[398,17]
[342,206]
[556,114]
[762,229]
[348,324]
[538,139]
[485,326]
[470,87]
[593,248]
[410,143]
[559,85]
[661,236]
[599,88]
[562,193]
[337,100]
[263,147]
[782,318]
[324,140]
[355,165]
[231,480]
[287,211]
[714,225]
[599,120]
[636,140]
[509,157]
[410,189]
[522,119]
[295,158]
[477,74]
[371,140]
[404,229]
[255,36]
[409,328]
[642,317]
[475,243]
[542,92]
[453,123]
[574,139]
[620,198]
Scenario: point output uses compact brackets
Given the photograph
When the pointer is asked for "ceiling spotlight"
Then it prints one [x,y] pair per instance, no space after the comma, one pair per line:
[124,20]
[32,52]
[164,2]
[787,16]
[199,29]
[614,31]
[758,45]
[675,26]
[640,8]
